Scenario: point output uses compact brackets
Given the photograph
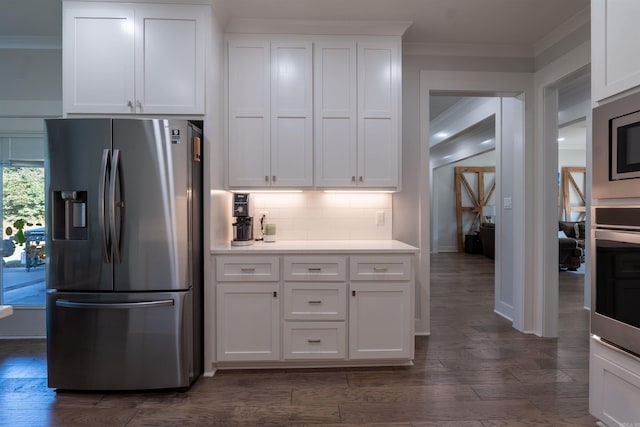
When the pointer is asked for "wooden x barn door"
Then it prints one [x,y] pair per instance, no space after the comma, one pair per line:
[573,196]
[470,202]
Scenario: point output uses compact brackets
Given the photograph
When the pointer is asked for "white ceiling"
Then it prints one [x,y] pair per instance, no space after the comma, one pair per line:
[493,22]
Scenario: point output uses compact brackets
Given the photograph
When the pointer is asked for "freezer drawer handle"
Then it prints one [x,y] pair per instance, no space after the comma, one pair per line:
[115,305]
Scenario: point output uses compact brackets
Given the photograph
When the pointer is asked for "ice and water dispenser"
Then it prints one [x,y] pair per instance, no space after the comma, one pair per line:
[69,215]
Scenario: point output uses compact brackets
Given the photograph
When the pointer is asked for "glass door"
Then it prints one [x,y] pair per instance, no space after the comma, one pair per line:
[22,281]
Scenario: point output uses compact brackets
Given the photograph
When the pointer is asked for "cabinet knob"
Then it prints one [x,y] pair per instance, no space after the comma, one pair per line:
[273,178]
[353,178]
[312,341]
[130,105]
[361,179]
[275,294]
[139,105]
[315,302]
[266,178]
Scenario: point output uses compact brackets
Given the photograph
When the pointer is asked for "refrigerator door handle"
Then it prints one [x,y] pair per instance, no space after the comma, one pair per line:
[114,305]
[104,171]
[117,230]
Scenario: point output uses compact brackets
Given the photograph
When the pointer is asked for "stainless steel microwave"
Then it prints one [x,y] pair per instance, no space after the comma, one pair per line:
[616,149]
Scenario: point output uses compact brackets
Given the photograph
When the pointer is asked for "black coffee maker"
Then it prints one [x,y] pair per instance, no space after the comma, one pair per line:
[243,227]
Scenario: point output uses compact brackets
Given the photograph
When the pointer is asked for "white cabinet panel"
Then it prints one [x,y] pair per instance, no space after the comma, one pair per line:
[248,322]
[335,114]
[171,76]
[247,269]
[378,114]
[315,268]
[309,340]
[291,154]
[614,385]
[269,86]
[134,58]
[249,112]
[314,301]
[380,321]
[378,155]
[615,66]
[377,267]
[98,47]
[291,107]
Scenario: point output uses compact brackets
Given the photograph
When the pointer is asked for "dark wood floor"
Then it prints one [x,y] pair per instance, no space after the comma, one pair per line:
[473,371]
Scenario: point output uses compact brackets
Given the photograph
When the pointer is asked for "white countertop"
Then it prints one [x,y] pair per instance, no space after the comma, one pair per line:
[5,310]
[302,246]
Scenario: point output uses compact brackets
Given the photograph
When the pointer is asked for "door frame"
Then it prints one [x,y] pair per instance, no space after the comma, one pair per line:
[515,270]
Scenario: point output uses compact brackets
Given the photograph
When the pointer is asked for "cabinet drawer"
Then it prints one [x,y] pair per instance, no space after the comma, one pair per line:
[247,269]
[315,268]
[314,340]
[311,301]
[381,267]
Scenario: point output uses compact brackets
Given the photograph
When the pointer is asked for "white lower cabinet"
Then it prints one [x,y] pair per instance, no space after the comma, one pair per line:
[248,321]
[614,385]
[379,321]
[340,309]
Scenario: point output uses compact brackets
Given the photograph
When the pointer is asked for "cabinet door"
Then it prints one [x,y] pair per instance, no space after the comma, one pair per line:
[291,114]
[98,58]
[249,110]
[378,114]
[335,114]
[170,51]
[248,321]
[615,66]
[380,321]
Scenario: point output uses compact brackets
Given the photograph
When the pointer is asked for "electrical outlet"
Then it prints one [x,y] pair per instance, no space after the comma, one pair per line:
[380,218]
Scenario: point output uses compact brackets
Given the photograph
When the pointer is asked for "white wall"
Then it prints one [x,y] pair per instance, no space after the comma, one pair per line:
[444,231]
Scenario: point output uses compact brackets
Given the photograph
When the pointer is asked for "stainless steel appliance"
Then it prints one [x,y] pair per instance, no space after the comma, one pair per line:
[243,227]
[615,291]
[616,143]
[124,254]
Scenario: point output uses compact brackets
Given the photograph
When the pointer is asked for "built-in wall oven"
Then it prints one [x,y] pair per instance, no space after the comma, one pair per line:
[616,149]
[615,294]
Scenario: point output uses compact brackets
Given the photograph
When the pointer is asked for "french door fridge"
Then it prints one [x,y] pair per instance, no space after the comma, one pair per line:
[124,253]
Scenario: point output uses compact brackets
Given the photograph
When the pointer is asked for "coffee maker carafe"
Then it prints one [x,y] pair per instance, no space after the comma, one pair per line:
[243,227]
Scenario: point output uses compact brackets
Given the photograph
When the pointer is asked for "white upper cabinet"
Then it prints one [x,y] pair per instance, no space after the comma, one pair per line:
[329,116]
[615,65]
[378,114]
[291,114]
[357,113]
[134,58]
[270,134]
[249,112]
[335,114]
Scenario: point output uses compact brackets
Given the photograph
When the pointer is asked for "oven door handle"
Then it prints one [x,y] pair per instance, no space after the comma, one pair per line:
[618,236]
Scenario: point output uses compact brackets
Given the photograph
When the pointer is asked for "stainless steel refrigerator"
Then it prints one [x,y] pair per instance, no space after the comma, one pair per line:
[124,253]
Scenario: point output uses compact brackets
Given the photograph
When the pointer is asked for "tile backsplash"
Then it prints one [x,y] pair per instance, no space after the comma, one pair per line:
[325,216]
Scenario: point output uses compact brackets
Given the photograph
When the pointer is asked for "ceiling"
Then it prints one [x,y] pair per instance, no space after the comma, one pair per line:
[493,22]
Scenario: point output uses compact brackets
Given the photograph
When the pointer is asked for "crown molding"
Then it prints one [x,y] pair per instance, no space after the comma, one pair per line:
[31,42]
[468,50]
[562,31]
[295,26]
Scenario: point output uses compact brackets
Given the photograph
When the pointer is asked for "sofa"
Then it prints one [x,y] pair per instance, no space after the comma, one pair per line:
[571,237]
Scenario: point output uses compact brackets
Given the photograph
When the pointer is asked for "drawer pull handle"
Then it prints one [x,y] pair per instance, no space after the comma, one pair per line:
[315,302]
[248,270]
[314,269]
[310,341]
[380,269]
